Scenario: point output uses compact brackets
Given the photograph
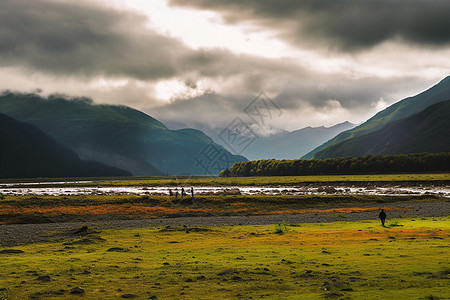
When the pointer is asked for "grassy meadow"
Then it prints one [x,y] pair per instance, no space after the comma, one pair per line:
[340,260]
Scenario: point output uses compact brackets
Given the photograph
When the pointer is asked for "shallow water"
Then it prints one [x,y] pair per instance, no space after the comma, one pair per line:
[22,189]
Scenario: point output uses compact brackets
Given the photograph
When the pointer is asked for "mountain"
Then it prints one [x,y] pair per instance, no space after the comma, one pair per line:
[427,131]
[27,152]
[402,109]
[294,144]
[118,135]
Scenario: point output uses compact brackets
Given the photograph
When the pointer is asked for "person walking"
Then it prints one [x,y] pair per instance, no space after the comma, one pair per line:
[382,216]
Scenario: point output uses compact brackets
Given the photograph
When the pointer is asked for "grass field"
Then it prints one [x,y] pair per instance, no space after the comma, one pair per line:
[244,181]
[341,260]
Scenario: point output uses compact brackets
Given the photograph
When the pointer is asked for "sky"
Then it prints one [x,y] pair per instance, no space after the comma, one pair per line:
[200,63]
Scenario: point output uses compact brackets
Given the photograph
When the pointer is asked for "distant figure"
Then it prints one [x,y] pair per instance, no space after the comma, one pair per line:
[182,193]
[382,216]
[170,193]
[176,194]
[192,192]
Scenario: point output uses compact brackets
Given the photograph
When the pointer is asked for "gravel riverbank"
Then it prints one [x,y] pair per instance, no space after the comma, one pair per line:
[16,234]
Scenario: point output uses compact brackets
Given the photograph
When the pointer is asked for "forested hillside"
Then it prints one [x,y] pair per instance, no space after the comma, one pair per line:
[419,162]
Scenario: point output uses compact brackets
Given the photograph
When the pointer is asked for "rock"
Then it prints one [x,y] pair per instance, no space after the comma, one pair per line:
[327,189]
[232,192]
[227,272]
[196,229]
[11,251]
[128,296]
[83,229]
[353,279]
[117,249]
[77,290]
[43,278]
[308,274]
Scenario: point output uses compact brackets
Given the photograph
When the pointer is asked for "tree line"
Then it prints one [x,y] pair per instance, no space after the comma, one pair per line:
[399,163]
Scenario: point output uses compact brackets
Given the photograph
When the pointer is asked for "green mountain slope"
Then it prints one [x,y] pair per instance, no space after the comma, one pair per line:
[426,131]
[116,135]
[27,152]
[402,109]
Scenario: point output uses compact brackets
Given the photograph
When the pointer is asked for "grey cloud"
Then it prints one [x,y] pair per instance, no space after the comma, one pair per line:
[85,39]
[353,94]
[347,25]
[299,97]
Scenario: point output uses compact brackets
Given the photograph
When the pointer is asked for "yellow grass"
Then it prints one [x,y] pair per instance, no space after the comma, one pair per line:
[348,260]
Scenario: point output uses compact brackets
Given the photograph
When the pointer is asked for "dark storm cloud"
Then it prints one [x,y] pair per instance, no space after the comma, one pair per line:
[345,24]
[85,39]
[77,38]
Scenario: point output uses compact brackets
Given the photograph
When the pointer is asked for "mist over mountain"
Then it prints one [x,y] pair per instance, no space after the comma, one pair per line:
[294,144]
[27,152]
[402,109]
[118,135]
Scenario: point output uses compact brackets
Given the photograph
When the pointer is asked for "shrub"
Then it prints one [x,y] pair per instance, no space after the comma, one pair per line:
[281,228]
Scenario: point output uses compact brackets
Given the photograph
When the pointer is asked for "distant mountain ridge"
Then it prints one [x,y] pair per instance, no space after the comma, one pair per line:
[115,135]
[426,131]
[402,109]
[27,152]
[294,144]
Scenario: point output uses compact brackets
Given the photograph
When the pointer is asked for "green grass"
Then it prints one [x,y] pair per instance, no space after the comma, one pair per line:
[349,260]
[247,181]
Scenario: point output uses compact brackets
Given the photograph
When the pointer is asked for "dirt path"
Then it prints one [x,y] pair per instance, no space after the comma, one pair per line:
[13,235]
